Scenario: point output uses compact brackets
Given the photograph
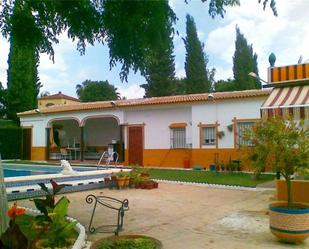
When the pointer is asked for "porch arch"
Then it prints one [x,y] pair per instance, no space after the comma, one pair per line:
[50,122]
[83,121]
[63,138]
[101,133]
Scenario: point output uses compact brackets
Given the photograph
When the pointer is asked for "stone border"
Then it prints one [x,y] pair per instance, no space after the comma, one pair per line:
[213,185]
[80,242]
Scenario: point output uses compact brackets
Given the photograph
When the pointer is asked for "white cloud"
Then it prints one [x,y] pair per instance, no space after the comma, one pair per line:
[131,92]
[284,35]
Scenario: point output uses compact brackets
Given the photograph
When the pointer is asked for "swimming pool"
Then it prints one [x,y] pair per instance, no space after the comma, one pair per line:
[22,181]
[13,170]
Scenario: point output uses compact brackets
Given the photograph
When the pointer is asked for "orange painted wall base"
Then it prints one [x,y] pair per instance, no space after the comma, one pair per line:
[175,158]
[300,190]
[38,153]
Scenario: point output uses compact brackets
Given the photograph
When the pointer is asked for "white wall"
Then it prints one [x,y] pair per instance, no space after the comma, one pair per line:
[157,121]
[38,125]
[224,111]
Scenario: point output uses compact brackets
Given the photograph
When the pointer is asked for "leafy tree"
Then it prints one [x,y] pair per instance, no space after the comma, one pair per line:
[225,86]
[282,145]
[196,61]
[130,29]
[32,27]
[244,62]
[96,91]
[3,104]
[180,86]
[44,94]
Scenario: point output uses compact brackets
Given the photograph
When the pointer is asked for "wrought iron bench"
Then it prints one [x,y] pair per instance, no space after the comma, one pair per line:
[112,203]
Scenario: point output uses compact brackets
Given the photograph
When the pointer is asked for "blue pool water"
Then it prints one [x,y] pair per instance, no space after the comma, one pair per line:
[12,170]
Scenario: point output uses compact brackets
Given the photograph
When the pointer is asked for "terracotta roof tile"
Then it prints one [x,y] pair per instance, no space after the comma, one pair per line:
[59,95]
[178,99]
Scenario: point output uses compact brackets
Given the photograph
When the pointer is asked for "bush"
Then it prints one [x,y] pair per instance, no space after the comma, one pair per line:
[10,142]
[127,242]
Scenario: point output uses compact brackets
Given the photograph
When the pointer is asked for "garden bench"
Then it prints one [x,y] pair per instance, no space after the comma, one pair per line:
[120,206]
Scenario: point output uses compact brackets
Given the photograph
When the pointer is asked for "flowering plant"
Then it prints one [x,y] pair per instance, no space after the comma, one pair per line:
[13,236]
[15,211]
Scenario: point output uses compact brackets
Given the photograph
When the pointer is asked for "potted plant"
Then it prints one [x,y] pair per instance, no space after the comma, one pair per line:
[121,178]
[220,134]
[283,145]
[230,127]
[223,167]
[126,179]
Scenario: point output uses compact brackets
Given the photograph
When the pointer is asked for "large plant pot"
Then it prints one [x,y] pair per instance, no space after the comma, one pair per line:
[289,225]
[121,181]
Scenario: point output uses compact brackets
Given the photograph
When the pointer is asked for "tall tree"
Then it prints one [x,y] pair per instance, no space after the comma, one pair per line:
[96,91]
[130,28]
[196,61]
[244,62]
[3,104]
[225,86]
[23,82]
[32,27]
[160,65]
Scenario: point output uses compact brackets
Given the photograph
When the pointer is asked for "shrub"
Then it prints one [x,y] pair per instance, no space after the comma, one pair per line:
[10,142]
[282,145]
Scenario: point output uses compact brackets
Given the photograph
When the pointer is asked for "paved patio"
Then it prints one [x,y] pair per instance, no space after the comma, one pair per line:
[188,217]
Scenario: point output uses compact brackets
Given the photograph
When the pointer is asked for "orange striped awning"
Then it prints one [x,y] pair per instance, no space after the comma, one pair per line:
[286,97]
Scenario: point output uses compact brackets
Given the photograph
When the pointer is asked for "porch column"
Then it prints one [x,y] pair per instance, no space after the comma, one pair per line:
[47,152]
[82,143]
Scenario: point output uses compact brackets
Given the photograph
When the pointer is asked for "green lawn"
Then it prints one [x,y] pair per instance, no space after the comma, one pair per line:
[226,178]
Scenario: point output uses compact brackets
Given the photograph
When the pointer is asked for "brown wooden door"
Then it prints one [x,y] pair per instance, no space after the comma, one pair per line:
[136,145]
[27,143]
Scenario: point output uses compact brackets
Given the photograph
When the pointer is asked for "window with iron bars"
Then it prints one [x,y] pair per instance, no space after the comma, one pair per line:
[178,138]
[209,135]
[241,131]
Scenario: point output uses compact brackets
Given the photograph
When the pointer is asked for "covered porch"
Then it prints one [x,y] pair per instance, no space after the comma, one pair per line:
[84,140]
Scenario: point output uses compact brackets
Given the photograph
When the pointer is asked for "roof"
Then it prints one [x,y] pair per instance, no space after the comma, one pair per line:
[59,95]
[297,96]
[177,99]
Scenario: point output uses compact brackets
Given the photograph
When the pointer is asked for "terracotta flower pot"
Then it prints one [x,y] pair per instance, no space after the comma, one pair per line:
[121,181]
[290,225]
[126,181]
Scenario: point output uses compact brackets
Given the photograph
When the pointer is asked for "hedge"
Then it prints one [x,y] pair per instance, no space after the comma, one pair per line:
[10,142]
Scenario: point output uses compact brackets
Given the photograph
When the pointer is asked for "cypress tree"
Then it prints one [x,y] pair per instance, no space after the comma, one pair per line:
[160,65]
[196,61]
[23,82]
[244,62]
[161,72]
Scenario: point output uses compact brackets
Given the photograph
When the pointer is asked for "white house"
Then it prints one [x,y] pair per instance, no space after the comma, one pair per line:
[161,131]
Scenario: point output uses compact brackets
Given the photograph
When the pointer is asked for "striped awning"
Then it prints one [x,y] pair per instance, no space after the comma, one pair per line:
[287,97]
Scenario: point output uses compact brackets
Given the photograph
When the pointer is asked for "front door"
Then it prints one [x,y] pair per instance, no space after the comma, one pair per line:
[136,145]
[27,137]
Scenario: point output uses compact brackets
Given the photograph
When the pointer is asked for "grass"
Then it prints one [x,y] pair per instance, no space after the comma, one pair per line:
[128,242]
[226,178]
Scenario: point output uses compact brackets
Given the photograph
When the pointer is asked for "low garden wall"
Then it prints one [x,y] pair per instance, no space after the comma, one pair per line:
[300,190]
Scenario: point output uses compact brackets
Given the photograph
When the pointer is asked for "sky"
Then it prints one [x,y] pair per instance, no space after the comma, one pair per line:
[285,35]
